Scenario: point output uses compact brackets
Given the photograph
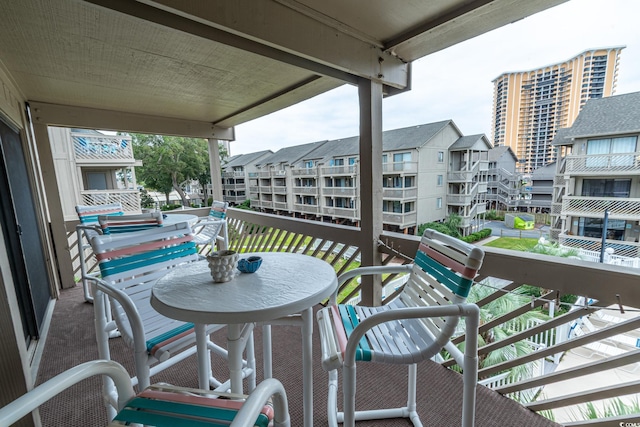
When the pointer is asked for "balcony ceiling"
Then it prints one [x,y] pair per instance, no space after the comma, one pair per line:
[227,62]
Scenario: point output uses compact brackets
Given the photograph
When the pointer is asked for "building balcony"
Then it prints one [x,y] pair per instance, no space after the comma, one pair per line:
[603,164]
[233,174]
[306,190]
[347,213]
[594,207]
[399,193]
[102,149]
[304,208]
[349,170]
[234,198]
[279,189]
[591,353]
[301,172]
[283,206]
[403,167]
[129,199]
[340,191]
[265,188]
[234,186]
[402,220]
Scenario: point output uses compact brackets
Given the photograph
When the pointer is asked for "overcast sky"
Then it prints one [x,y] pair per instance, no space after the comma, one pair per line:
[457,83]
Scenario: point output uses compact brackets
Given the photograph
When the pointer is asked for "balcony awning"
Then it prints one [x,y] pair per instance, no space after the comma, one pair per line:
[222,63]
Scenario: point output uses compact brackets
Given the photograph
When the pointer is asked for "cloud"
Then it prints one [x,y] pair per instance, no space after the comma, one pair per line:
[456,83]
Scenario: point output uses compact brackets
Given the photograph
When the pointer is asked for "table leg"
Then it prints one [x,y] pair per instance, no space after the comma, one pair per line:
[266,352]
[235,346]
[307,366]
[204,359]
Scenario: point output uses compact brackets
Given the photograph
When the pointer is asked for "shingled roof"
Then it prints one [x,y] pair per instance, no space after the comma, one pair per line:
[608,116]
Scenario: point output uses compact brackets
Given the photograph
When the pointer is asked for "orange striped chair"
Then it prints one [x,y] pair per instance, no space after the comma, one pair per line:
[130,264]
[414,326]
[163,405]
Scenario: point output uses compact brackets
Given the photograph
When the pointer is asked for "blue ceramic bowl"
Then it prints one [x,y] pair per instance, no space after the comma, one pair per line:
[249,265]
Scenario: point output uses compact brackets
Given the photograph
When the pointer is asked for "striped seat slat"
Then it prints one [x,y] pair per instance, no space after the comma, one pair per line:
[350,321]
[465,271]
[116,266]
[167,337]
[92,217]
[459,285]
[162,409]
[141,248]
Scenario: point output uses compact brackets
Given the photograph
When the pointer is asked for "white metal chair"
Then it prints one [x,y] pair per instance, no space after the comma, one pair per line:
[88,227]
[414,326]
[162,405]
[130,264]
[211,231]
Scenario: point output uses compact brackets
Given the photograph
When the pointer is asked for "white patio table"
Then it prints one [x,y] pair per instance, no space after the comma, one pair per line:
[286,284]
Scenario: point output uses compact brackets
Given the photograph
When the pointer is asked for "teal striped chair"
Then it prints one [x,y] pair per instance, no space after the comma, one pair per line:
[130,263]
[163,405]
[211,231]
[88,227]
[414,326]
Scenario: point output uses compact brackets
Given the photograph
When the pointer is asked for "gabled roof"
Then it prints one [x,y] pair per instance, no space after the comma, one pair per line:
[245,159]
[290,155]
[471,141]
[561,137]
[413,136]
[496,152]
[332,149]
[612,115]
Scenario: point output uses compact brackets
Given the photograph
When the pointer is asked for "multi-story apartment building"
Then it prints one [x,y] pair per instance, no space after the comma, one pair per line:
[429,171]
[235,183]
[94,169]
[600,173]
[530,106]
[511,190]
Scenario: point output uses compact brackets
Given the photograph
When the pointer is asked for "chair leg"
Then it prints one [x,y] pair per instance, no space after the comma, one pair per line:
[349,392]
[412,410]
[332,399]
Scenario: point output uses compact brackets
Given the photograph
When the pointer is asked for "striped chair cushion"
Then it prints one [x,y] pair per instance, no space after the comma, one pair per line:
[157,407]
[129,223]
[89,214]
[218,210]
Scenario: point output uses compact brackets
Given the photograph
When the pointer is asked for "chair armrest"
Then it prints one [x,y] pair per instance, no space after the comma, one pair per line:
[368,271]
[130,309]
[466,309]
[20,407]
[251,408]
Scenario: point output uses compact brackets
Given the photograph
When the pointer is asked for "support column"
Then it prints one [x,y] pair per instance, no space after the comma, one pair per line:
[54,205]
[370,96]
[216,170]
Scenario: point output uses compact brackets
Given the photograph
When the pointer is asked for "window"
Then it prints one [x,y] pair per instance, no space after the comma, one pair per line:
[439,181]
[401,157]
[606,188]
[384,158]
[603,151]
[439,203]
[308,164]
[352,160]
[336,162]
[440,156]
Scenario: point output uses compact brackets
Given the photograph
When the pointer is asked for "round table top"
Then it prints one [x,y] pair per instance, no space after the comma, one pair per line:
[286,283]
[169,219]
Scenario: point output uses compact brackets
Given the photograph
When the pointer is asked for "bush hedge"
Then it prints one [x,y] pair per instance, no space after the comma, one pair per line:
[478,235]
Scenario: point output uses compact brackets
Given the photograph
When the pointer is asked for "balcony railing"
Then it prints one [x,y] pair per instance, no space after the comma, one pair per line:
[603,164]
[129,199]
[619,208]
[402,220]
[304,171]
[339,191]
[399,193]
[233,174]
[306,208]
[338,170]
[305,190]
[340,212]
[101,148]
[407,167]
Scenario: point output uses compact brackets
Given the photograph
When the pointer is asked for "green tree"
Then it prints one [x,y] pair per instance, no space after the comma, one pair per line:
[169,161]
[450,226]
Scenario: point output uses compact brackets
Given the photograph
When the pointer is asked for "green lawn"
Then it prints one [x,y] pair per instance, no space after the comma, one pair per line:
[514,243]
